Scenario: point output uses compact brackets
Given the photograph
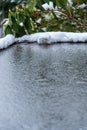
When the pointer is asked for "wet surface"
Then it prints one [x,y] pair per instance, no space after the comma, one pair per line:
[1,33]
[43,87]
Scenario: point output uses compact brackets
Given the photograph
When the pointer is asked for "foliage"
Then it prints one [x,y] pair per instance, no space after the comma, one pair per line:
[33,17]
[5,5]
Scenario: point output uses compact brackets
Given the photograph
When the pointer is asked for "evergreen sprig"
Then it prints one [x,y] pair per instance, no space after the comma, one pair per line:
[33,18]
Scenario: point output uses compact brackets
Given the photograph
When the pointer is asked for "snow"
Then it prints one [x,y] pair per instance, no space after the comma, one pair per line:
[6,41]
[54,37]
[48,6]
[45,38]
[70,2]
[21,24]
[82,6]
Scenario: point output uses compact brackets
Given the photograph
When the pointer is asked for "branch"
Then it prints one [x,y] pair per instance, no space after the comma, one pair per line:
[63,13]
[74,19]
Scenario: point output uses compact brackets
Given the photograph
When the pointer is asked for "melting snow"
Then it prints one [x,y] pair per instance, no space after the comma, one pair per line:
[6,41]
[44,38]
[48,6]
[54,37]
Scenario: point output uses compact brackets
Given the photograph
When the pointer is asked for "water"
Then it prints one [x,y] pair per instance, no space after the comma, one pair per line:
[43,87]
[1,32]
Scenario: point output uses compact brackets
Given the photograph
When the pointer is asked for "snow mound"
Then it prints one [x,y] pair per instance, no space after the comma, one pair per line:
[7,41]
[45,38]
[54,37]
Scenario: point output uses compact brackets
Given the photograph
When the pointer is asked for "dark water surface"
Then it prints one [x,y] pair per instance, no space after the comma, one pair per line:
[43,87]
[1,33]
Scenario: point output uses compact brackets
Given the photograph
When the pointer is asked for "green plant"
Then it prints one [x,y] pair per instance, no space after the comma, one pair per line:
[5,5]
[33,18]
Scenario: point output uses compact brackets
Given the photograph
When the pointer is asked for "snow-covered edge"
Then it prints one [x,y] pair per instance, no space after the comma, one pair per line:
[7,41]
[54,37]
[45,38]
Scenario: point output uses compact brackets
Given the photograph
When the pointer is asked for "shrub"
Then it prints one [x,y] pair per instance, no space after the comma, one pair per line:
[33,18]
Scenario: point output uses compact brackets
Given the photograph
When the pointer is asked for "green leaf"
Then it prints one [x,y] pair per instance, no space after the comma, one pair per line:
[20,17]
[28,25]
[39,5]
[15,26]
[31,5]
[20,32]
[46,1]
[8,30]
[62,3]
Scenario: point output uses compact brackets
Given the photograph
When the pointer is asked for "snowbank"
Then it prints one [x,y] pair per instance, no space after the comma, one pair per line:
[45,38]
[53,37]
[6,41]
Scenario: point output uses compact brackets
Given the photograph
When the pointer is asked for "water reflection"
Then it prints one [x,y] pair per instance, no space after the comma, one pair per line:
[43,88]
